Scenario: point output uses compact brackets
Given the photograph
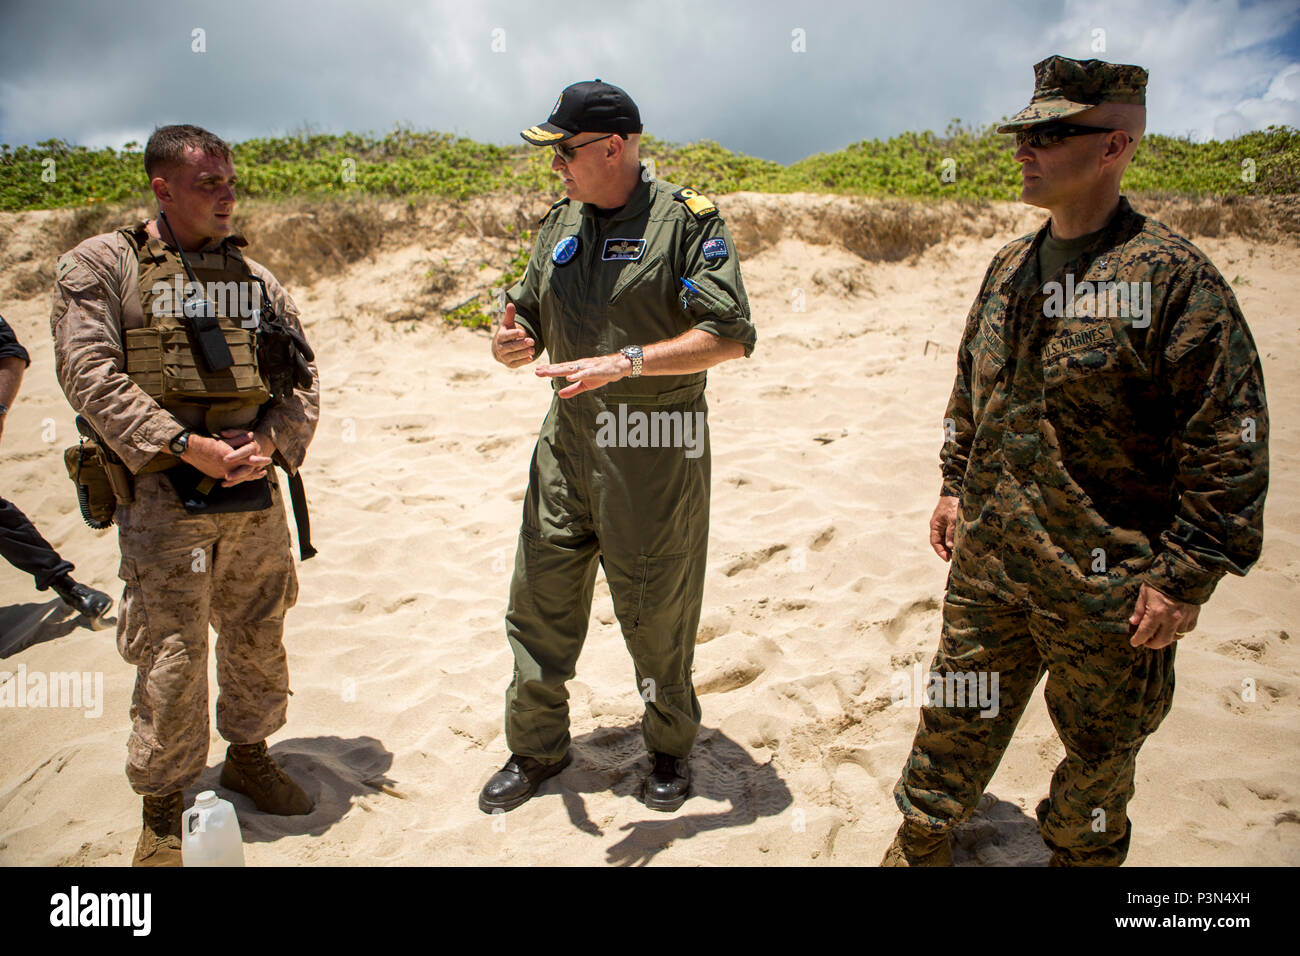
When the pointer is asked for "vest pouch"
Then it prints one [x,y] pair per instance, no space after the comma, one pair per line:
[202,495]
[162,361]
[88,470]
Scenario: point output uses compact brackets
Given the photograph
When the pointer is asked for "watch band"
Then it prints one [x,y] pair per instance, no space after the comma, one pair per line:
[635,356]
[180,444]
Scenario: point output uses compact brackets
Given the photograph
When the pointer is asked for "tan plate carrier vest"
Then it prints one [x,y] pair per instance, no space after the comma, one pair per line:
[159,355]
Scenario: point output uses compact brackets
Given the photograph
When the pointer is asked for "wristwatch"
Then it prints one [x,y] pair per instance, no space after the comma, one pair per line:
[635,356]
[180,444]
[4,409]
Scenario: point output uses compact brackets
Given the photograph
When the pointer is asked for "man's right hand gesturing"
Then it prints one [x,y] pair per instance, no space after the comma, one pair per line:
[511,345]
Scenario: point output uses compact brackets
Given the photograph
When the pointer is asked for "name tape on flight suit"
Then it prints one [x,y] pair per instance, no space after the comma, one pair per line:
[629,249]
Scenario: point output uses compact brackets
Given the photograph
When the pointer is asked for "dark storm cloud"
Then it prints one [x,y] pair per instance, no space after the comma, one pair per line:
[102,74]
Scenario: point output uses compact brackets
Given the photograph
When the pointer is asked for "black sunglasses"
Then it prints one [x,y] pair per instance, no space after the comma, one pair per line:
[1049,134]
[567,153]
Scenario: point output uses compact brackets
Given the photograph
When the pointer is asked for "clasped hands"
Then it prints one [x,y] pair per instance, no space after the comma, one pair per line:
[237,456]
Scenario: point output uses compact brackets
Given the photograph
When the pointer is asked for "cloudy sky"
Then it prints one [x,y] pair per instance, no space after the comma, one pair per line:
[779,80]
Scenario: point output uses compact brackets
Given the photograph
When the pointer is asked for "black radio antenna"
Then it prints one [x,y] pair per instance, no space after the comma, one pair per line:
[189,273]
[202,321]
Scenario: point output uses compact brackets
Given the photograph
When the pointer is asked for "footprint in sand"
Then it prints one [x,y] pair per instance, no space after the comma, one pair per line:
[849,765]
[708,630]
[752,559]
[823,538]
[902,622]
[1250,693]
[741,660]
[732,678]
[1244,649]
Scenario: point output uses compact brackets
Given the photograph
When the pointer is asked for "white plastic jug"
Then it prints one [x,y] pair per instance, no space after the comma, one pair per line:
[210,833]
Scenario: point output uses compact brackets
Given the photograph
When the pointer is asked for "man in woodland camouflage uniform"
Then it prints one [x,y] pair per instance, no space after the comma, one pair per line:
[1105,464]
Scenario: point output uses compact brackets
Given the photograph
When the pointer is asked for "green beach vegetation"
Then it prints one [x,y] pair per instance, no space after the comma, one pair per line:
[963,162]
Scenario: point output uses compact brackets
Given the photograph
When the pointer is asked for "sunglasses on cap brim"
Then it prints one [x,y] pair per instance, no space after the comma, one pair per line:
[1049,134]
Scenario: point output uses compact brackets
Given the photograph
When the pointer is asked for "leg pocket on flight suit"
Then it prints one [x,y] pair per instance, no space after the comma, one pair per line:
[673,697]
[653,609]
[547,584]
[527,566]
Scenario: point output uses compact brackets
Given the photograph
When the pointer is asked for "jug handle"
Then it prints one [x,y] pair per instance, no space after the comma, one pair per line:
[191,814]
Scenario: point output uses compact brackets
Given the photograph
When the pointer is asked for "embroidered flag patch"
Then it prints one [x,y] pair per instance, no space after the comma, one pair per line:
[714,248]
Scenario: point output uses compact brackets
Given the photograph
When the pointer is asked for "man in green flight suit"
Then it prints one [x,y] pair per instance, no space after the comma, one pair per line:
[1105,464]
[634,288]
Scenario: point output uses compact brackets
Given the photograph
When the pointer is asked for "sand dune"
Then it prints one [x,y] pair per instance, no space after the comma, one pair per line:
[821,587]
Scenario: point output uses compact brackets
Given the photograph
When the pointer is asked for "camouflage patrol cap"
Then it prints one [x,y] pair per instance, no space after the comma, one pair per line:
[1065,88]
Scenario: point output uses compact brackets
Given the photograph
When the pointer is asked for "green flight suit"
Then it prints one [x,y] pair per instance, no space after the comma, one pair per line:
[620,474]
[1107,428]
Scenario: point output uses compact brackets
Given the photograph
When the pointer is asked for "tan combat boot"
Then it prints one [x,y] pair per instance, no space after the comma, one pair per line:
[160,840]
[250,770]
[914,846]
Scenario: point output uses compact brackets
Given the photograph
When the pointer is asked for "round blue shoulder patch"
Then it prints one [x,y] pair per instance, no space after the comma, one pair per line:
[565,250]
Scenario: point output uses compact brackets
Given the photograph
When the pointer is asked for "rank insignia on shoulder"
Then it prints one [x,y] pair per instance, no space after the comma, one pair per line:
[554,206]
[564,250]
[67,262]
[700,206]
[714,248]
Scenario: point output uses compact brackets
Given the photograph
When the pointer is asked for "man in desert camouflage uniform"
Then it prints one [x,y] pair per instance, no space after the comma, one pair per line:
[1105,464]
[187,565]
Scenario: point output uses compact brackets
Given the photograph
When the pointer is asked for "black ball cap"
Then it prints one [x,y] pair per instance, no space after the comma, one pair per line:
[591,105]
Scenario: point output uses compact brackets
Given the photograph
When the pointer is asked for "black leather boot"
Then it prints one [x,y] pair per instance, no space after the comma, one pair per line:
[93,604]
[669,784]
[517,781]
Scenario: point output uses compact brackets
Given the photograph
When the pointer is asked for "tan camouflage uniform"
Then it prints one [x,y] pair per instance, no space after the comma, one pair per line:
[181,572]
[1090,456]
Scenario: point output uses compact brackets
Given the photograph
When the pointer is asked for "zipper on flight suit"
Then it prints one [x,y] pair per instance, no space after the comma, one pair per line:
[584,291]
[586,465]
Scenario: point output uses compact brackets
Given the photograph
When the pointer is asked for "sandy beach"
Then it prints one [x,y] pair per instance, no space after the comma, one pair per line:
[821,587]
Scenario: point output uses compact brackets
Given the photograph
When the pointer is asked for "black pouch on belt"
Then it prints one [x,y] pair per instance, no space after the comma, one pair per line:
[202,495]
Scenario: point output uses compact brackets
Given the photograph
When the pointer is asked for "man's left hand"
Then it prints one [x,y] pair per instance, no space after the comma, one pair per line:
[252,455]
[589,373]
[1159,620]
